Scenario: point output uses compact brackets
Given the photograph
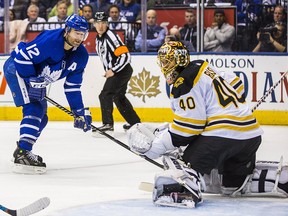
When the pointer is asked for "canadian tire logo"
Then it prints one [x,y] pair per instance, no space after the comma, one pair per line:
[144,85]
[3,83]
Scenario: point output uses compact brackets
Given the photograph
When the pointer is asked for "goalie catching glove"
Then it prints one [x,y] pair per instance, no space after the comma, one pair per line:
[149,141]
[83,119]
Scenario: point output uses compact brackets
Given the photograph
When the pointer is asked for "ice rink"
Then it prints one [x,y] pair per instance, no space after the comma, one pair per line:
[96,176]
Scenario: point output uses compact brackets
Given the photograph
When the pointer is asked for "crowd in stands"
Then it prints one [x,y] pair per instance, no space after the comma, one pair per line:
[261,24]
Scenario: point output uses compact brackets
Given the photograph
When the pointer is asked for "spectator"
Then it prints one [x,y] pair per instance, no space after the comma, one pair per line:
[82,3]
[271,40]
[41,4]
[17,31]
[2,12]
[115,20]
[278,15]
[18,7]
[101,5]
[87,13]
[61,12]
[155,33]
[12,15]
[33,17]
[51,4]
[130,10]
[69,10]
[174,35]
[220,36]
[189,30]
[248,11]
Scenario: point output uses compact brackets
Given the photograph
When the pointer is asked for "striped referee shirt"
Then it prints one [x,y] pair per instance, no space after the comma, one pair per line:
[113,53]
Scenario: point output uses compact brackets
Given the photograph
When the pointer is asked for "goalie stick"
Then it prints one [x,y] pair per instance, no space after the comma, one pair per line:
[103,133]
[269,92]
[30,209]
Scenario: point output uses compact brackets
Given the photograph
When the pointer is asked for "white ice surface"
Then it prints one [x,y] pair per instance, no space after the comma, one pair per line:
[96,176]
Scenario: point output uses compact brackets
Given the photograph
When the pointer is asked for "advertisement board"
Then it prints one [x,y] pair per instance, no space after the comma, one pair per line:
[147,89]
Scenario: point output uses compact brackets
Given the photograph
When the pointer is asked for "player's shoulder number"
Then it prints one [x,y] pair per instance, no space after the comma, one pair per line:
[32,51]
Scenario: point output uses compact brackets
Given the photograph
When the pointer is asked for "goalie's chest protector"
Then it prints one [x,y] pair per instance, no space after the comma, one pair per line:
[204,103]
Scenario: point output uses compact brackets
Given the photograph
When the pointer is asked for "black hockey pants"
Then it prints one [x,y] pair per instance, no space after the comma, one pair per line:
[114,90]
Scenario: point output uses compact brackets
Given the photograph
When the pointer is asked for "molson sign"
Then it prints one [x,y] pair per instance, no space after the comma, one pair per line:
[259,74]
[147,89]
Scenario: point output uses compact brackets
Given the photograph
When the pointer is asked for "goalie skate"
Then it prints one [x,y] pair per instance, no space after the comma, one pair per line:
[175,199]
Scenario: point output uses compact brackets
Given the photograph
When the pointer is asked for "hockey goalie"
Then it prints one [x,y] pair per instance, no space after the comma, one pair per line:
[217,132]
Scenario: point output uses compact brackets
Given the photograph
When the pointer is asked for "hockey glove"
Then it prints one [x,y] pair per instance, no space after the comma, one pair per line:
[140,138]
[83,119]
[37,88]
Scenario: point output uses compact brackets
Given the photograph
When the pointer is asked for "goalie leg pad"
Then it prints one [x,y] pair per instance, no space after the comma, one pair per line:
[269,179]
[175,188]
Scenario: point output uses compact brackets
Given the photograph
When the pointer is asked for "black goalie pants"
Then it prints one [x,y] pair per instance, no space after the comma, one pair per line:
[234,159]
[114,90]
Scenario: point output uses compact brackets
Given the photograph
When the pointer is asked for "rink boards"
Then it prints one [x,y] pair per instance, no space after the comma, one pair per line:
[148,92]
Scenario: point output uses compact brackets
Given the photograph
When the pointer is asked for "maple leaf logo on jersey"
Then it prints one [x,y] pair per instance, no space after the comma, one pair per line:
[144,85]
[50,76]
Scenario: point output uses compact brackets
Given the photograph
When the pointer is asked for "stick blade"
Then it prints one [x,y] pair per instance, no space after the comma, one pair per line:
[146,186]
[34,207]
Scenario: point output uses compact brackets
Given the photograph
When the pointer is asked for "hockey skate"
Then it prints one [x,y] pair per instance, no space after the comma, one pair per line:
[106,128]
[183,198]
[25,162]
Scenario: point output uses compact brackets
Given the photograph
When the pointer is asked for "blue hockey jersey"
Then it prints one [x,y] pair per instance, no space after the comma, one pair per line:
[45,56]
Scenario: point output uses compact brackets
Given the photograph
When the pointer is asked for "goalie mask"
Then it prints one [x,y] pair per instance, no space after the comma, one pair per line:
[172,57]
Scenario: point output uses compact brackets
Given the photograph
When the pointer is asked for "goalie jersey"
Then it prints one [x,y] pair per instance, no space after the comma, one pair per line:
[210,103]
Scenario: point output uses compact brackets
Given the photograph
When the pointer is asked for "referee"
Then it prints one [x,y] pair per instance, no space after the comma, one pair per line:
[116,58]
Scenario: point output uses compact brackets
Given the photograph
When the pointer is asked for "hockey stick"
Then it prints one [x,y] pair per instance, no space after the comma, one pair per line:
[30,209]
[103,133]
[269,92]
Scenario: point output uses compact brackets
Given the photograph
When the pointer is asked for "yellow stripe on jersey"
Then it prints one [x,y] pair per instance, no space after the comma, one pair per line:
[230,117]
[185,129]
[237,79]
[228,122]
[121,50]
[239,90]
[189,120]
[256,125]
[187,125]
[200,72]
[240,87]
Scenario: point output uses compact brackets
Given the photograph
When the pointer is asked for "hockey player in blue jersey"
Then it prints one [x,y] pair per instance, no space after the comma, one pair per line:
[51,56]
